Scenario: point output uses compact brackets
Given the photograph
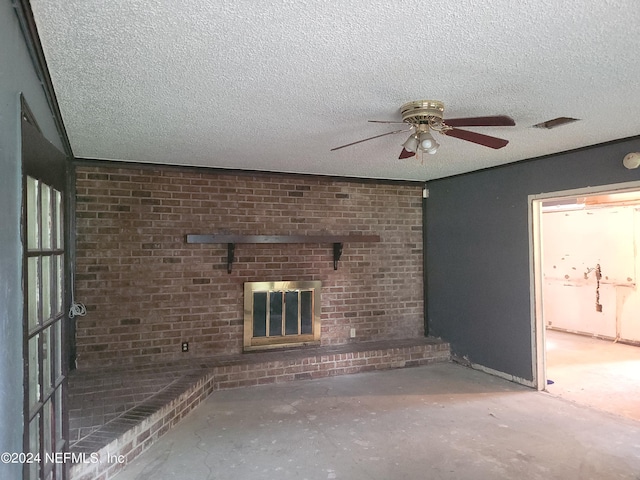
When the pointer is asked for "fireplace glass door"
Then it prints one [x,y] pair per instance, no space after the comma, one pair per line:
[281,314]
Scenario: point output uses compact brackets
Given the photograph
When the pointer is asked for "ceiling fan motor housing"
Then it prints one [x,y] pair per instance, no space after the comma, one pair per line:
[421,112]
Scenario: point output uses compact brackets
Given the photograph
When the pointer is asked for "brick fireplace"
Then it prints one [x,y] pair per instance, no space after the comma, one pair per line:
[148,291]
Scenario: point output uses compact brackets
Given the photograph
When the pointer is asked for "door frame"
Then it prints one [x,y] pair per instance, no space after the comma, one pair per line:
[539,366]
[43,161]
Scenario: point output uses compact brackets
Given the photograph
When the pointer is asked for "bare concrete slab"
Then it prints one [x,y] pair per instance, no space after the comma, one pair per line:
[598,373]
[442,421]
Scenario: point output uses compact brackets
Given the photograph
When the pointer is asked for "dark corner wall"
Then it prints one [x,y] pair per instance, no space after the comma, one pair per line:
[478,250]
[17,75]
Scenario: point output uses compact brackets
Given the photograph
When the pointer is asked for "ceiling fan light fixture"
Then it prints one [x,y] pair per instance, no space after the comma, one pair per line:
[411,145]
[434,149]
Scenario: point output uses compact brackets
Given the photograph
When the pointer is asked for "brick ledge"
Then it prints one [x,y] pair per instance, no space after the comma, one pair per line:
[134,431]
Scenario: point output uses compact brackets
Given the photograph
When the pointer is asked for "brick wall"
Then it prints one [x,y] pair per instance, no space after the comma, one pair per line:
[146,290]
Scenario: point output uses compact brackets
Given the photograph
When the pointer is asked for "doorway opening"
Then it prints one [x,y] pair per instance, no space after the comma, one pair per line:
[586,308]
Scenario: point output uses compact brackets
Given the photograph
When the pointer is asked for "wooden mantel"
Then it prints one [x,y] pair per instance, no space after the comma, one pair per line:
[231,240]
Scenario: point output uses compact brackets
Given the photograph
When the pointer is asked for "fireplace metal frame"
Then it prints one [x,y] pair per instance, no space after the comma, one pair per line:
[280,341]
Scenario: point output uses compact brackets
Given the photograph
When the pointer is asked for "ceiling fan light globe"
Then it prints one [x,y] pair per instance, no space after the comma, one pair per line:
[434,149]
[426,141]
[411,145]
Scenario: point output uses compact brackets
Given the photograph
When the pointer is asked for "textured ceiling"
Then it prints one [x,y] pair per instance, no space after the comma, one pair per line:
[274,85]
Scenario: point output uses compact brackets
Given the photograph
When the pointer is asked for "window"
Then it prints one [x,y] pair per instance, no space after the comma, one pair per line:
[281,314]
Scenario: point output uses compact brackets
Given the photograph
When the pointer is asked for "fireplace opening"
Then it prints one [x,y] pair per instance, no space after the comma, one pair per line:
[281,314]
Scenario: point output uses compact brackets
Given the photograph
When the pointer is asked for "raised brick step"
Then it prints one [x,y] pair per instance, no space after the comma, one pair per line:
[128,434]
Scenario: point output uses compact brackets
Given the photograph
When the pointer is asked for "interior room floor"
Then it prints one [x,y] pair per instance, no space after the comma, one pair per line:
[110,406]
[594,372]
[442,421]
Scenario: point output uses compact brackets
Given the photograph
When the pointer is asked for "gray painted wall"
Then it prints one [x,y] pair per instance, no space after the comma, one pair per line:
[17,75]
[478,250]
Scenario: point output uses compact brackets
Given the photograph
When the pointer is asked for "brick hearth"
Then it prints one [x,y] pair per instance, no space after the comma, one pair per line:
[121,412]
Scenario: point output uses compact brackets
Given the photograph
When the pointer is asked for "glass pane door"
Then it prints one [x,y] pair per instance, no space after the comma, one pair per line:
[44,328]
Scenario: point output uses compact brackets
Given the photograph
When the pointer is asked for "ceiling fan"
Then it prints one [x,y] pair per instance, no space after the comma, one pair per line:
[422,116]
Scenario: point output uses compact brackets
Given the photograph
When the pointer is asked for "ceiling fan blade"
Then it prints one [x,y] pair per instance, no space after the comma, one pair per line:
[367,139]
[486,140]
[494,121]
[384,121]
[406,154]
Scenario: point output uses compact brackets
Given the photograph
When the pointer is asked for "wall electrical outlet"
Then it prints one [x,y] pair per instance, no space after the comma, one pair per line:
[185,346]
[352,333]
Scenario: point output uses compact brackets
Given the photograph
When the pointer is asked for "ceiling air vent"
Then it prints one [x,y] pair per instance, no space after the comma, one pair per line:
[556,122]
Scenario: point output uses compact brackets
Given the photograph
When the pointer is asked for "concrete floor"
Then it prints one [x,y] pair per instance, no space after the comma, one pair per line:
[442,421]
[598,373]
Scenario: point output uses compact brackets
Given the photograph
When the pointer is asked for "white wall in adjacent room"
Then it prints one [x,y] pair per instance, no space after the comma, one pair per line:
[575,242]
